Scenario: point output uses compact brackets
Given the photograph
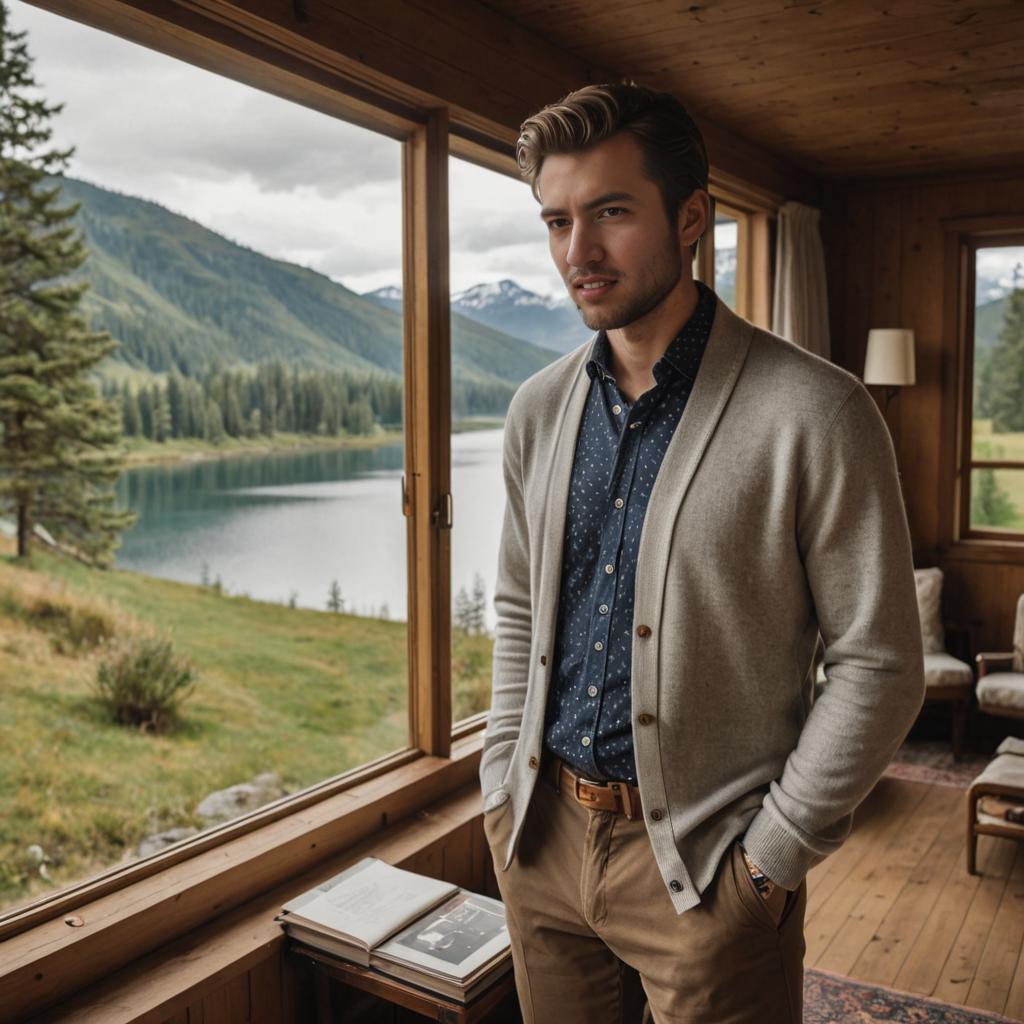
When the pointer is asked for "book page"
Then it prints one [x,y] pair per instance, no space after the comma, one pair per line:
[453,940]
[370,901]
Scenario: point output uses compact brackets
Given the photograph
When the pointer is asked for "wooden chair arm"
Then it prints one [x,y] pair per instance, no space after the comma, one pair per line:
[983,658]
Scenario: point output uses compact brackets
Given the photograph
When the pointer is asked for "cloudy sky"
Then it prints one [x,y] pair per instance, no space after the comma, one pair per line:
[284,180]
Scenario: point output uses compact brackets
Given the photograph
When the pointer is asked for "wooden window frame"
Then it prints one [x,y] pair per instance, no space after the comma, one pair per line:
[68,939]
[753,216]
[963,237]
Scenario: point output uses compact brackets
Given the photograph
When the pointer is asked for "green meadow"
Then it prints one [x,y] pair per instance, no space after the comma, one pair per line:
[1008,445]
[305,694]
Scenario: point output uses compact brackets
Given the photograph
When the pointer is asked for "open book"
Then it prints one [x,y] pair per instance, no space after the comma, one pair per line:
[427,932]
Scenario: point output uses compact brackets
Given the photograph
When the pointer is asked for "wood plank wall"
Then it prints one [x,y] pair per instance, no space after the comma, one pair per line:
[884,244]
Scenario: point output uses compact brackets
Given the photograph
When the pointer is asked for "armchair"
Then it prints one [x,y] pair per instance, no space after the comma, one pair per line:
[1001,691]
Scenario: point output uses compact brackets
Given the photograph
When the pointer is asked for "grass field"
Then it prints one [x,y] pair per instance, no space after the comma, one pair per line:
[1011,481]
[302,693]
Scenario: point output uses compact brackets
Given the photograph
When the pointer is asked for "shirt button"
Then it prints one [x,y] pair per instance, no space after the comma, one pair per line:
[603,609]
[633,426]
[643,630]
[619,503]
[616,409]
[645,719]
[675,885]
[656,815]
[585,741]
[592,691]
[599,646]
[609,568]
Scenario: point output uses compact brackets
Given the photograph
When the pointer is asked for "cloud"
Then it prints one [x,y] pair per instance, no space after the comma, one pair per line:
[280,178]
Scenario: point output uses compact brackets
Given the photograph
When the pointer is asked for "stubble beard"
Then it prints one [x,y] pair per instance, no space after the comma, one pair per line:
[656,289]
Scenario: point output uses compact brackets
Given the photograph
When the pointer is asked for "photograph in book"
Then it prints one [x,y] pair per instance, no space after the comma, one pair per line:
[453,940]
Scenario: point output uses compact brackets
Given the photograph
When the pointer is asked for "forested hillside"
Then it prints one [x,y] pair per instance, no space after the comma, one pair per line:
[181,298]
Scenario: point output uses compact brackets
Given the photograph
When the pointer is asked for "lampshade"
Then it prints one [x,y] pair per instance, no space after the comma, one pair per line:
[890,356]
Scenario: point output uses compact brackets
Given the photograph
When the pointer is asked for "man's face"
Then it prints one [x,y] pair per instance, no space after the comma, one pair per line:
[609,236]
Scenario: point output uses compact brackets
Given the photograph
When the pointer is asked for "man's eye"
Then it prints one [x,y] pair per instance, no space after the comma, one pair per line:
[612,211]
[557,222]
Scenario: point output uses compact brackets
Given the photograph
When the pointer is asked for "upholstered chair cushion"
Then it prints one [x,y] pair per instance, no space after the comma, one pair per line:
[1011,745]
[1018,637]
[1002,690]
[929,606]
[945,670]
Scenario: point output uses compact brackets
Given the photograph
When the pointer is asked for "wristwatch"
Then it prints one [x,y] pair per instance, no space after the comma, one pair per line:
[762,883]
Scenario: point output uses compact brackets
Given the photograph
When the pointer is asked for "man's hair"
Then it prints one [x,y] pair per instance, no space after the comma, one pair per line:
[673,149]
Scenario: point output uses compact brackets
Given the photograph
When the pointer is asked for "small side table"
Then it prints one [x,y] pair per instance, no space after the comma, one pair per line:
[399,992]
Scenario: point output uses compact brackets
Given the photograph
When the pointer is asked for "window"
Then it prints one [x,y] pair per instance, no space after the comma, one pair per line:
[734,257]
[993,496]
[238,246]
[510,318]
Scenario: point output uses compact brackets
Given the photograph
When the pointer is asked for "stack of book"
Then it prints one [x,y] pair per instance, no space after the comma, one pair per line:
[430,933]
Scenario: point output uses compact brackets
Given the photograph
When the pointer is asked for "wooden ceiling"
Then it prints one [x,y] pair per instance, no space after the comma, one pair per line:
[843,88]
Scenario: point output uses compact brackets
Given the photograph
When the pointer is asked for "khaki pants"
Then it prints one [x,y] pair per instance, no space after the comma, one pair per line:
[583,896]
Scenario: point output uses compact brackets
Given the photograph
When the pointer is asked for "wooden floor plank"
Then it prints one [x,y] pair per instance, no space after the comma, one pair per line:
[896,907]
[962,961]
[888,798]
[922,969]
[994,976]
[888,877]
[1014,1008]
[892,941]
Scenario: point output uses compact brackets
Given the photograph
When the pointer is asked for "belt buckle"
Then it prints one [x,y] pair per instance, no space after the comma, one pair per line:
[577,779]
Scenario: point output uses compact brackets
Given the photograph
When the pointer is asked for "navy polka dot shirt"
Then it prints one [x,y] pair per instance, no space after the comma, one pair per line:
[619,451]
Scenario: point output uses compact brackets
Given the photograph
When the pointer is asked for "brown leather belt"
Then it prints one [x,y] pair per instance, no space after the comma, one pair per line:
[598,796]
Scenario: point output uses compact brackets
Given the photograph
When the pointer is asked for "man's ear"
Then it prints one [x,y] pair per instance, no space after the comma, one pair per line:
[694,215]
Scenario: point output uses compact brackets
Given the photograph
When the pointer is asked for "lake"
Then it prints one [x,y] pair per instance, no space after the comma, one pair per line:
[283,526]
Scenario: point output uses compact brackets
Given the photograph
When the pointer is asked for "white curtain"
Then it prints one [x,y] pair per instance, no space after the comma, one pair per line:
[800,306]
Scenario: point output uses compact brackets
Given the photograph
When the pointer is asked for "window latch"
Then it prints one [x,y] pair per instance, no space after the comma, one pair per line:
[441,517]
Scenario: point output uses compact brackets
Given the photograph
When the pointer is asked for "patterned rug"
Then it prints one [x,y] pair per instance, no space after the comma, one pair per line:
[833,999]
[932,761]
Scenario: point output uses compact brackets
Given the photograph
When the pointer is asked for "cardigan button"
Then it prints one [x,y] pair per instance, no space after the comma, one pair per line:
[533,762]
[656,815]
[643,631]
[644,718]
[675,885]
[543,659]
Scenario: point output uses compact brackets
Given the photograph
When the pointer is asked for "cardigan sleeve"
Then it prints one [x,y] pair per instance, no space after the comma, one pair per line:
[514,628]
[855,546]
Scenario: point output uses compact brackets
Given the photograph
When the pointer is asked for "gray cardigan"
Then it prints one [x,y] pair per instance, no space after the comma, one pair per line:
[777,513]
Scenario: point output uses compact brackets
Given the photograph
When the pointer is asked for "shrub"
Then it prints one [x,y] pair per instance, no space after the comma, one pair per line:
[74,621]
[143,683]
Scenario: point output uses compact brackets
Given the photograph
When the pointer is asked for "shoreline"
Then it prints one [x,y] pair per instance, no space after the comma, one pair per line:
[151,453]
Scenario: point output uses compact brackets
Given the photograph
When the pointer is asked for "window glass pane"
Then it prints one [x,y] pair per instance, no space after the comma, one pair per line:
[233,238]
[998,424]
[726,229]
[997,498]
[510,317]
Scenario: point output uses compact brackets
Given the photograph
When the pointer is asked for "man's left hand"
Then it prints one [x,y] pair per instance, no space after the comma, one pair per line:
[774,896]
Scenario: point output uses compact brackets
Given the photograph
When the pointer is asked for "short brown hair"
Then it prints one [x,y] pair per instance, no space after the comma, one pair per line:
[673,149]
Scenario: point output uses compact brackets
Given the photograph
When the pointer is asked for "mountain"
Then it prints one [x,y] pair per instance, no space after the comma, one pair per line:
[508,307]
[179,296]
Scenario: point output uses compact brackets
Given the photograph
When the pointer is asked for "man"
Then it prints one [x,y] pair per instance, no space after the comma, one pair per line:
[690,500]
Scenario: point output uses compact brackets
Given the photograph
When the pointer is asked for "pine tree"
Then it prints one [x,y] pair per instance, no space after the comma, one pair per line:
[1006,387]
[59,454]
[335,602]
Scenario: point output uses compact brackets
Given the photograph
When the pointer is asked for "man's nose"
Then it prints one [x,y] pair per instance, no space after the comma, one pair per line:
[584,247]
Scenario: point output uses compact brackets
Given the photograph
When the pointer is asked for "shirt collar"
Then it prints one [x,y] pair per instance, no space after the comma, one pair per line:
[677,360]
